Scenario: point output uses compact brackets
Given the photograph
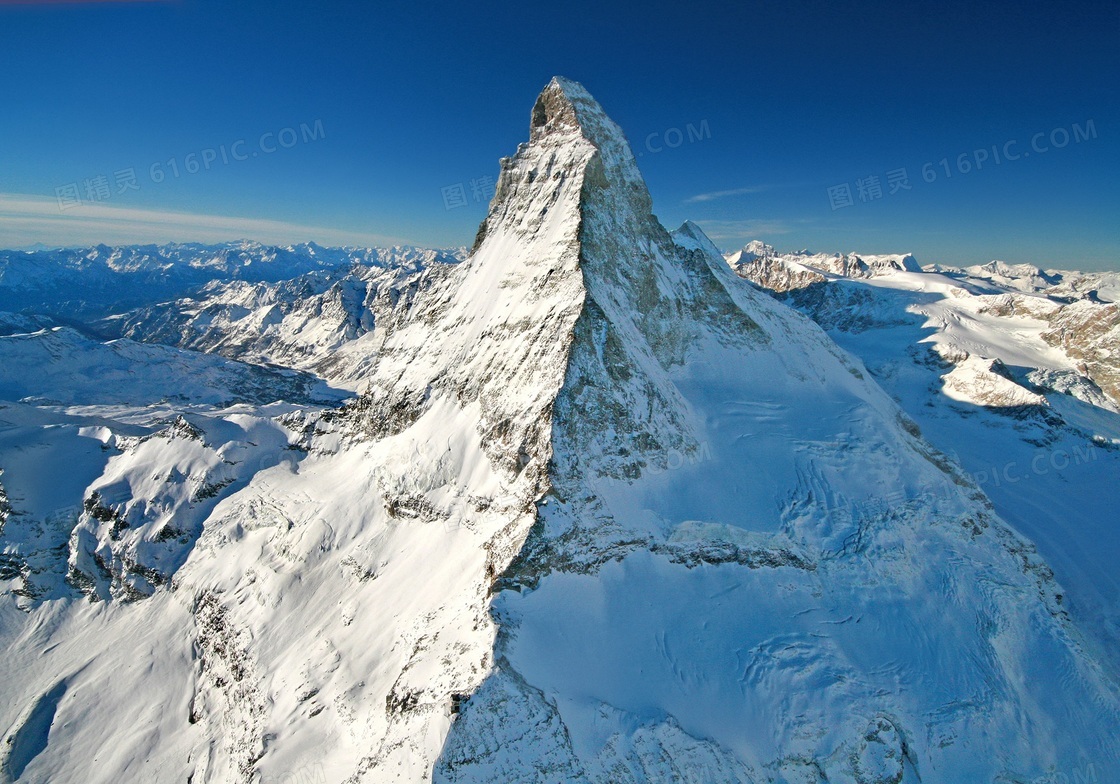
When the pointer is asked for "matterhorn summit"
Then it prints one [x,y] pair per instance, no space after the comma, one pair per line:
[603,511]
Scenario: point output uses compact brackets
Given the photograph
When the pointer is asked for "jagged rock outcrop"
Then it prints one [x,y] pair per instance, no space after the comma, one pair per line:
[602,512]
[1089,333]
[674,373]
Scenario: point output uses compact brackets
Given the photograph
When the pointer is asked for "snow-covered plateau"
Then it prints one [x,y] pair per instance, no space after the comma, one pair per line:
[589,502]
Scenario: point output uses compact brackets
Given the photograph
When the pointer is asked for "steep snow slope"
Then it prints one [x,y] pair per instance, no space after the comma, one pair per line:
[748,566]
[381,546]
[603,512]
[970,355]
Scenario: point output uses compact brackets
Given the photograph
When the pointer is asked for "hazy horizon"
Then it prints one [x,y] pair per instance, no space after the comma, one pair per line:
[960,133]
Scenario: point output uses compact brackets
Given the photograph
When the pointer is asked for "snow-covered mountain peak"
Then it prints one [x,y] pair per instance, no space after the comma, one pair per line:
[1002,268]
[565,112]
[555,109]
[672,369]
[604,512]
[692,237]
[758,248]
[565,107]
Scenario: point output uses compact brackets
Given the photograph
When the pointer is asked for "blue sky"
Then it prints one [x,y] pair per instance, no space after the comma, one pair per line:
[373,116]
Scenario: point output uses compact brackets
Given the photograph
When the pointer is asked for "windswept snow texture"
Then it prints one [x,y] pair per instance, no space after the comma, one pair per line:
[595,509]
[1010,369]
[749,566]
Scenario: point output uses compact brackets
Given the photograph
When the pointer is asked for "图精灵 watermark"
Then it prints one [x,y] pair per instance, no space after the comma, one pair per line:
[872,187]
[455,195]
[103,187]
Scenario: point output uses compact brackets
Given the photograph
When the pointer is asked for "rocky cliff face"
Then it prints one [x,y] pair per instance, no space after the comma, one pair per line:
[1086,329]
[745,549]
[1089,333]
[603,512]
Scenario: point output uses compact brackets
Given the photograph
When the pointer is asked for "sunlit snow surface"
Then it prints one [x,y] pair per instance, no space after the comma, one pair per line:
[1032,430]
[603,512]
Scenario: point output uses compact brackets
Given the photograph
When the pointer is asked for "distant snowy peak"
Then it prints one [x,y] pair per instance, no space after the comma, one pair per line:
[229,257]
[1057,284]
[1078,308]
[773,273]
[1011,271]
[753,250]
[781,272]
[872,265]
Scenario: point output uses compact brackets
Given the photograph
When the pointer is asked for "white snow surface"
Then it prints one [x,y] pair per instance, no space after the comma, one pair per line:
[999,365]
[602,512]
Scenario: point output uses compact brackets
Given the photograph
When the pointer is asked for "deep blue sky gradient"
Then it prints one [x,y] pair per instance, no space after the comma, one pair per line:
[797,97]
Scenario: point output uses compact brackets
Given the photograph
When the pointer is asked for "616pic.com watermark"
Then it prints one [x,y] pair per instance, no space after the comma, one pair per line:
[1041,463]
[481,189]
[870,188]
[100,188]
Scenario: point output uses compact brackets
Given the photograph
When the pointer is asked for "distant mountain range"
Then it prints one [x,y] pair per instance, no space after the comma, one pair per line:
[91,282]
[590,502]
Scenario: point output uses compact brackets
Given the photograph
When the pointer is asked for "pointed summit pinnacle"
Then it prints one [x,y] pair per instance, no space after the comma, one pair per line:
[572,142]
[562,107]
[565,108]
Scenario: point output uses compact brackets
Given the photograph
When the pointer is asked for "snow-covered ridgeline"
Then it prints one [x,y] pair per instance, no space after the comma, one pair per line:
[602,512]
